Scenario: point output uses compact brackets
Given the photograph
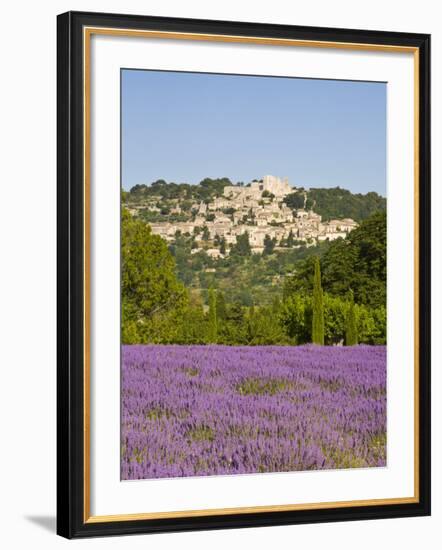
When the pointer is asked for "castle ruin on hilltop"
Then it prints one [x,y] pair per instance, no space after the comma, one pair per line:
[269,184]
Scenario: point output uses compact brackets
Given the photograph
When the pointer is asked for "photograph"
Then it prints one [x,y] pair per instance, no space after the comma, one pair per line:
[253,274]
[243,274]
[219,240]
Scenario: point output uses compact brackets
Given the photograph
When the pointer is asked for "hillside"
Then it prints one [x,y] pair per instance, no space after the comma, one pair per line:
[329,203]
[341,203]
[259,299]
[205,190]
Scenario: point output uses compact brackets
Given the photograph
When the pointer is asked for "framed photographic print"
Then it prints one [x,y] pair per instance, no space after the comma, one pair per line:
[243,274]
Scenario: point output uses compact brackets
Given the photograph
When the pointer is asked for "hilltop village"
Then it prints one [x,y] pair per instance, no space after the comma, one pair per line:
[259,209]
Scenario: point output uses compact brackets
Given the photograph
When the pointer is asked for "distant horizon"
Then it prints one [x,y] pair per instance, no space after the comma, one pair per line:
[184,127]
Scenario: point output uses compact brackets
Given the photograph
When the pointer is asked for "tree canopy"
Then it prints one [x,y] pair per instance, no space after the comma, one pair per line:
[294,200]
[331,293]
[341,203]
[357,263]
[149,285]
[206,190]
[317,307]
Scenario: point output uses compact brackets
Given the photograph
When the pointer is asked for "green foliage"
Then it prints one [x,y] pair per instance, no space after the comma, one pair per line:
[371,324]
[295,316]
[317,307]
[357,262]
[151,216]
[329,203]
[149,285]
[338,265]
[193,326]
[334,319]
[259,386]
[263,327]
[290,239]
[206,234]
[207,190]
[242,296]
[370,268]
[252,279]
[228,211]
[222,246]
[232,329]
[221,307]
[269,245]
[351,330]
[294,200]
[242,246]
[213,328]
[172,296]
[340,203]
[309,203]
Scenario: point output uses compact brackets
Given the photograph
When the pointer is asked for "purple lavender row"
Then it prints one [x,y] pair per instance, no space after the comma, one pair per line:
[215,410]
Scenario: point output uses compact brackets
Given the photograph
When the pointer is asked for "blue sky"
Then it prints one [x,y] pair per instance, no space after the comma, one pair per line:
[183,127]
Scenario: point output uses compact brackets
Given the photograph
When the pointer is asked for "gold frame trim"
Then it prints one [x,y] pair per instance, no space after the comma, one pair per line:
[87,33]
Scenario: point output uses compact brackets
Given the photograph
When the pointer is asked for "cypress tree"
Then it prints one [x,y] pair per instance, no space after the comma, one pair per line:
[222,246]
[213,326]
[221,309]
[290,240]
[206,233]
[269,245]
[351,331]
[317,307]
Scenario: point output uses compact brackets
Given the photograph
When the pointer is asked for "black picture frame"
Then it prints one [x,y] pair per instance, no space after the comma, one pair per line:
[71,498]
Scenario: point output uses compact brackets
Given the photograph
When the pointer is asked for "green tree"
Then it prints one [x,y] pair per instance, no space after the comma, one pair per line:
[302,279]
[371,324]
[242,246]
[290,240]
[317,307]
[210,188]
[335,310]
[233,331]
[359,262]
[213,325]
[193,325]
[295,318]
[351,330]
[338,267]
[264,328]
[269,245]
[206,234]
[294,200]
[370,274]
[243,297]
[341,203]
[149,286]
[221,308]
[267,195]
[222,246]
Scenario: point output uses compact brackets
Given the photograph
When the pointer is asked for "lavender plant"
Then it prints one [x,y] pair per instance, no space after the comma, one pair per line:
[216,410]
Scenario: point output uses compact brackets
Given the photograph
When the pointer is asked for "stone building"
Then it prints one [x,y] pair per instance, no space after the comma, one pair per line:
[271,184]
[244,209]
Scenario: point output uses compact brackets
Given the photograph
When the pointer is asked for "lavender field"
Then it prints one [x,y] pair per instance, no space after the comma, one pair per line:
[216,410]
